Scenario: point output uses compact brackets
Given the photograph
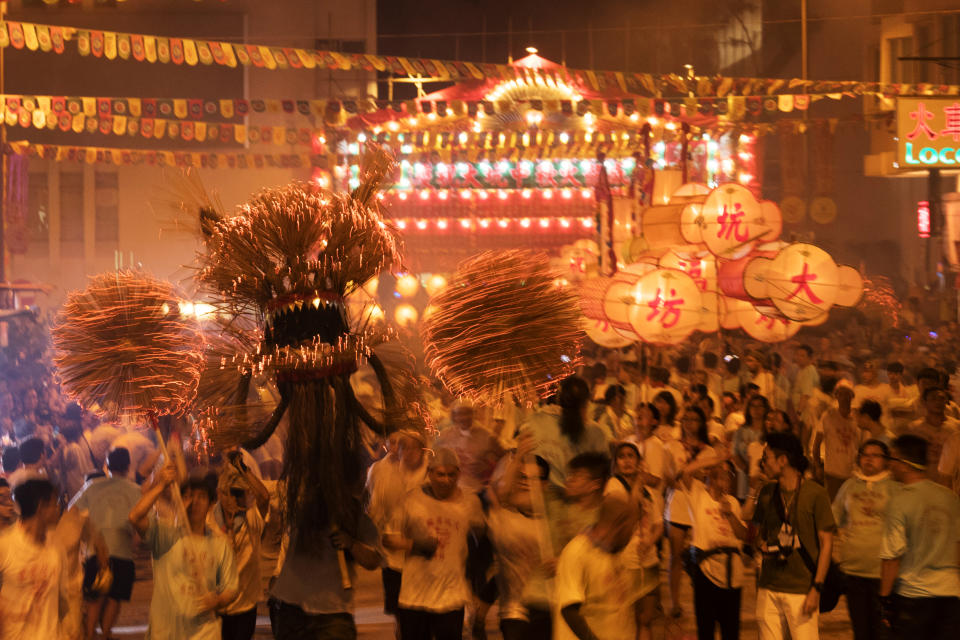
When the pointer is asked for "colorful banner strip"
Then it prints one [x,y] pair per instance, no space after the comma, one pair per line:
[88,113]
[104,155]
[113,45]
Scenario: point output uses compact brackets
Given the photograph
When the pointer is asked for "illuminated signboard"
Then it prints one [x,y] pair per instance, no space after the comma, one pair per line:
[923,219]
[928,133]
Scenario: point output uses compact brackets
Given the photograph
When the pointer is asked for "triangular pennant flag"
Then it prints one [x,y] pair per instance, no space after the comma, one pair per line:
[110,45]
[190,52]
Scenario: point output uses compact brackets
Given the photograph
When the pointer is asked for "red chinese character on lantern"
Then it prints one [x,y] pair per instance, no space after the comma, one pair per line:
[769,322]
[803,280]
[694,269]
[952,114]
[669,313]
[731,223]
[921,115]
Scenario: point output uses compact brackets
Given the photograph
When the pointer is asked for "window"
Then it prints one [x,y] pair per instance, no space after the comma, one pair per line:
[950,47]
[900,70]
[71,213]
[107,225]
[38,207]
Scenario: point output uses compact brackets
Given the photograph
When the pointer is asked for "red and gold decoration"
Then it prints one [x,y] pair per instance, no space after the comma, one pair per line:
[501,330]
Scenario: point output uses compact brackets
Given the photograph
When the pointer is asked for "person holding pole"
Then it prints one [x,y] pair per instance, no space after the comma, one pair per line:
[523,546]
[193,566]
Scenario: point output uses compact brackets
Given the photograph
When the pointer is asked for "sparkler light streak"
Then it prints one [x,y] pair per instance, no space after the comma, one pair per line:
[502,330]
[124,349]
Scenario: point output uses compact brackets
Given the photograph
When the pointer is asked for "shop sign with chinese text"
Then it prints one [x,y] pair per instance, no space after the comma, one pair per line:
[928,133]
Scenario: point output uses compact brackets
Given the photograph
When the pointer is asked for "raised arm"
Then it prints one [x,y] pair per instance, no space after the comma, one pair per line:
[138,515]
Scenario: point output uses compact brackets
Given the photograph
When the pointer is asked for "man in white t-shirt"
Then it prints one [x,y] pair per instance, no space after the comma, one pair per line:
[432,529]
[31,566]
[591,584]
[389,481]
[841,437]
[871,388]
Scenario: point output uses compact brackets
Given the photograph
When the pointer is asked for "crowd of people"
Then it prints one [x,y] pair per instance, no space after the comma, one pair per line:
[803,471]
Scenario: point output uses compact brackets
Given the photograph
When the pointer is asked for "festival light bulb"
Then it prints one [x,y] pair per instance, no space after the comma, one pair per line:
[463,137]
[402,195]
[401,224]
[421,225]
[567,194]
[442,224]
[431,116]
[424,195]
[484,223]
[502,195]
[526,194]
[442,195]
[503,222]
[393,125]
[465,194]
[670,126]
[465,223]
[547,194]
[361,137]
[525,223]
[585,193]
[405,315]
[564,223]
[634,116]
[588,222]
[564,138]
[477,126]
[653,121]
[483,195]
[544,223]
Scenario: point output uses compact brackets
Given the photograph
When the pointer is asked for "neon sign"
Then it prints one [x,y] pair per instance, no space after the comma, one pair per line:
[928,133]
[923,219]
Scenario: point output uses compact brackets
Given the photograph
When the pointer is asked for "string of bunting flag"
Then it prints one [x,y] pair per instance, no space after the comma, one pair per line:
[196,119]
[114,45]
[159,158]
[469,145]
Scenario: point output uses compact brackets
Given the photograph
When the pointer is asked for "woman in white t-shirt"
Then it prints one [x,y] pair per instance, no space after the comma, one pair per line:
[717,534]
[694,444]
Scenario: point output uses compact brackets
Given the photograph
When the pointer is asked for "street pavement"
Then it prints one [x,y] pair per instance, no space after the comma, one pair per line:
[373,624]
